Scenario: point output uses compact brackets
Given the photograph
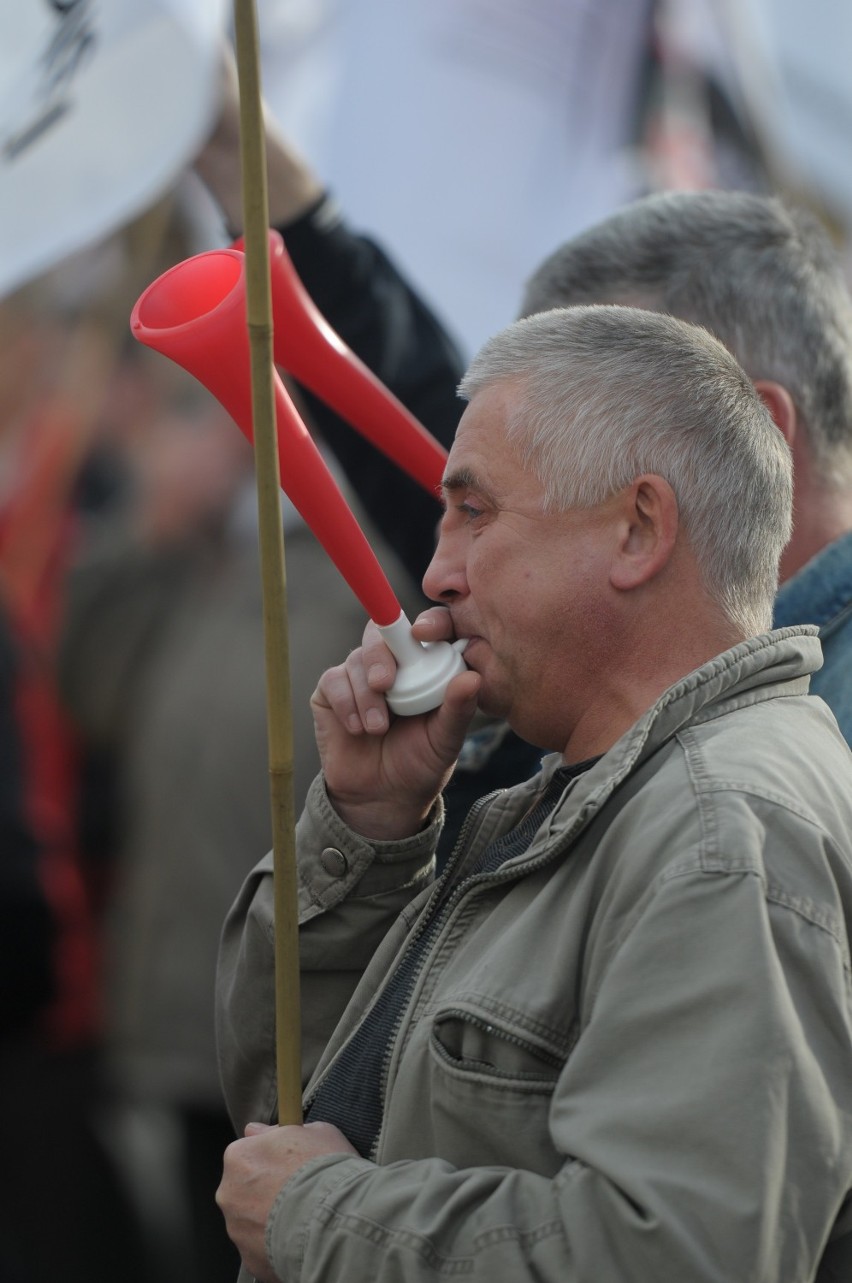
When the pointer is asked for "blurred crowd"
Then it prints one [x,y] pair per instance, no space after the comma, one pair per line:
[134,793]
[137,793]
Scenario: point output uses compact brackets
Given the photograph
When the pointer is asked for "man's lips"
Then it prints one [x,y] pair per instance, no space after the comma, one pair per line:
[469,644]
[463,634]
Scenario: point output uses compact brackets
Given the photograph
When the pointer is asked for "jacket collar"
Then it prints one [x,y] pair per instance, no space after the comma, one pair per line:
[748,673]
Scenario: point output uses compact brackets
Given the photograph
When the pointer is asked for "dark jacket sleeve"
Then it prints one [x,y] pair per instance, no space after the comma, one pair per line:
[376,312]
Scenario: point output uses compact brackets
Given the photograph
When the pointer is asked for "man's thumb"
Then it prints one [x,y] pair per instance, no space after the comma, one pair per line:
[452,719]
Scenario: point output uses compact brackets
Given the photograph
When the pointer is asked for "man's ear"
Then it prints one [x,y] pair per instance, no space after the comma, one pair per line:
[780,405]
[647,532]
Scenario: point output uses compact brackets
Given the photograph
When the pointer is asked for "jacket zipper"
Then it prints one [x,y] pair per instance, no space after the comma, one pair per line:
[451,903]
[425,921]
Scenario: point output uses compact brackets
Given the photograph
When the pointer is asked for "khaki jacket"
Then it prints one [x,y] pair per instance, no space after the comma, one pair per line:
[628,1055]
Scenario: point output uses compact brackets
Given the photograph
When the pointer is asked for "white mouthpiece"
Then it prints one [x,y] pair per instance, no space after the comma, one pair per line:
[424,669]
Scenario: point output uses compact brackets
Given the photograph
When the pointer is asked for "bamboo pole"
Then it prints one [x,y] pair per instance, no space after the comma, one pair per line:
[279,714]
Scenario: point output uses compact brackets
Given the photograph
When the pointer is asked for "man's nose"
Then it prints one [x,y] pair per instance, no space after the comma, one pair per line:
[445,579]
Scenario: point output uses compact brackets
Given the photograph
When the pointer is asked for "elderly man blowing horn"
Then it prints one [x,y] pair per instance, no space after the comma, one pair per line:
[613,1041]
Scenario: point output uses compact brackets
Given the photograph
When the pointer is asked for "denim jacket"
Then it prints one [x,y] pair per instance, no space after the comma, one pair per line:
[821,593]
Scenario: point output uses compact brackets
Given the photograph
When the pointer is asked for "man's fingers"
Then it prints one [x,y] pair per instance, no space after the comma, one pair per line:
[433,624]
[378,661]
[449,723]
[371,708]
[334,694]
[346,691]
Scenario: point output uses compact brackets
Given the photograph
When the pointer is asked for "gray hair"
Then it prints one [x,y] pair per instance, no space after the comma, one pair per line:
[762,277]
[609,393]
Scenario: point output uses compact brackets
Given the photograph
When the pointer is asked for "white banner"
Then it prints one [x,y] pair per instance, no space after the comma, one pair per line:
[800,56]
[102,104]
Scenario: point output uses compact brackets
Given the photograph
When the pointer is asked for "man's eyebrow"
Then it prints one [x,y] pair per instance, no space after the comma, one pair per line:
[461,479]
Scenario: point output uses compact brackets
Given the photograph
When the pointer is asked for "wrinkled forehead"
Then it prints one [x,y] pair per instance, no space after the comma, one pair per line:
[484,460]
[481,436]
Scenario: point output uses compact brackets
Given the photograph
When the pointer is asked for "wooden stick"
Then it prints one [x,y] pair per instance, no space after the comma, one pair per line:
[279,709]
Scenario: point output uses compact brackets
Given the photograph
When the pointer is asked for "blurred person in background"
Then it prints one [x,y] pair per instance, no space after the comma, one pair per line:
[471,137]
[162,669]
[57,1161]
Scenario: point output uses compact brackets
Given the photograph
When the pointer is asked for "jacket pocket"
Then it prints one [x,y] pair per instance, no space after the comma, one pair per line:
[491,1091]
[474,1044]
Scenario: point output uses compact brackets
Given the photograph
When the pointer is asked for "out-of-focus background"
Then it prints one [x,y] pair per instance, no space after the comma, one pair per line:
[468,138]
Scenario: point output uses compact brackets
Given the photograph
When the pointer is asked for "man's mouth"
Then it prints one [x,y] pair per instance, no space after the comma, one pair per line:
[469,644]
[463,636]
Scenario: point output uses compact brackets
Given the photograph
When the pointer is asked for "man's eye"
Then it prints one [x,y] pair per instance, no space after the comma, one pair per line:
[469,511]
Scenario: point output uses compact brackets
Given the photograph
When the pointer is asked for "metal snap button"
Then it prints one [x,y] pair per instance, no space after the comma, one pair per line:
[334,862]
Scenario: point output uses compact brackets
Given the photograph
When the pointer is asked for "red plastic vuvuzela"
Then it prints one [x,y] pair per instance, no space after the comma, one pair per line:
[195,314]
[307,347]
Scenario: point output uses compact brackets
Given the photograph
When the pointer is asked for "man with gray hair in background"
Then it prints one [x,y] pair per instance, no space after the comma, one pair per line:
[766,281]
[613,1041]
